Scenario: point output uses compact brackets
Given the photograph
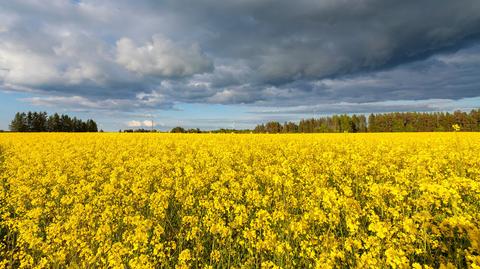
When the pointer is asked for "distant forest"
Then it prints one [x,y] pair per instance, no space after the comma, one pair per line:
[41,122]
[384,122]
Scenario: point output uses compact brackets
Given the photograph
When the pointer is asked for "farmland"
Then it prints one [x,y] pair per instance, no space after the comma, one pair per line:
[240,201]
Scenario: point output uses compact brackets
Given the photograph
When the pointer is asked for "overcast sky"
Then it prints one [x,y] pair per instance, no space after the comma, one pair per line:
[217,63]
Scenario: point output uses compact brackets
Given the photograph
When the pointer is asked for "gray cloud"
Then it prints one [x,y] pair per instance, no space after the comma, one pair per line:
[153,54]
[286,40]
[161,58]
[84,104]
[368,107]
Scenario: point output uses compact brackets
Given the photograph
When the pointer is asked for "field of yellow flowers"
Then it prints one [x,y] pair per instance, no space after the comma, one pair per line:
[240,201]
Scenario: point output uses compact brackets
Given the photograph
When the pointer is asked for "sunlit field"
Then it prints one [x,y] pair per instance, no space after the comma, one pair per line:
[240,201]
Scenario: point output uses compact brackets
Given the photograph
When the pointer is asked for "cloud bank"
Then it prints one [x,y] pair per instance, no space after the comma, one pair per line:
[120,55]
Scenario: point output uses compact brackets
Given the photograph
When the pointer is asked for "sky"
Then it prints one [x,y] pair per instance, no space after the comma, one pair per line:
[233,64]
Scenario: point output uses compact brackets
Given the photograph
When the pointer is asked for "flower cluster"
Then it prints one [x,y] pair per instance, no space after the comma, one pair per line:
[240,201]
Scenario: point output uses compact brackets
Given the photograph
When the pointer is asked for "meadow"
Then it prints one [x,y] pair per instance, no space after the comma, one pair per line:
[391,200]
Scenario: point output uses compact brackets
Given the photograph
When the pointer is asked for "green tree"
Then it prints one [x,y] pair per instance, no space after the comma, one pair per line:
[177,129]
[19,123]
[53,123]
[91,126]
[41,122]
[273,127]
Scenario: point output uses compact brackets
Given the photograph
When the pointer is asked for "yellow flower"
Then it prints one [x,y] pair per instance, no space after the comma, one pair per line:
[215,255]
[240,201]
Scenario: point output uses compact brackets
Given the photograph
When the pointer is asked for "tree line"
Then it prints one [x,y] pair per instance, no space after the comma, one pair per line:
[42,122]
[179,129]
[382,122]
[333,124]
[141,130]
[424,122]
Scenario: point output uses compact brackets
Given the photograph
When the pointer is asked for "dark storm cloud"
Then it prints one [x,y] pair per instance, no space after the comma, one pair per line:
[264,52]
[290,40]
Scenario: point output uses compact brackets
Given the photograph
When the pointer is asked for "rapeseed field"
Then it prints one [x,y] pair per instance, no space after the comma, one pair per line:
[240,201]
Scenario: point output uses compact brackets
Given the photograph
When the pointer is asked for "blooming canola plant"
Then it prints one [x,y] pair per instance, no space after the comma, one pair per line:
[240,201]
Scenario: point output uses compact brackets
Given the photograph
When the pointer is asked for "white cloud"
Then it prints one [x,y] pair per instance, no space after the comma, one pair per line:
[72,101]
[161,57]
[61,62]
[134,123]
[137,124]
[83,103]
[148,123]
[232,95]
[24,67]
